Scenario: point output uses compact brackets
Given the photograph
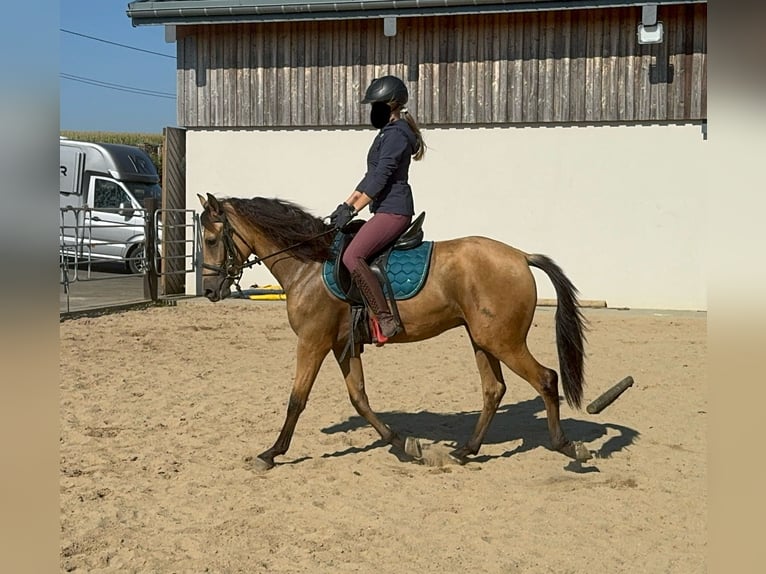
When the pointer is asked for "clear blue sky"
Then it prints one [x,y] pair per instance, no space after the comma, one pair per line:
[89,107]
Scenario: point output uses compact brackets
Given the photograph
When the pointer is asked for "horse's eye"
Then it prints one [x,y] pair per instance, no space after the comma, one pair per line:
[211,241]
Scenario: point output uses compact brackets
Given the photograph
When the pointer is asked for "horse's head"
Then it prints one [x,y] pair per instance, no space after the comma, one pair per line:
[221,259]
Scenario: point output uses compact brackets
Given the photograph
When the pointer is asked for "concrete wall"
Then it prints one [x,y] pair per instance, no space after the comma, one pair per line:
[620,208]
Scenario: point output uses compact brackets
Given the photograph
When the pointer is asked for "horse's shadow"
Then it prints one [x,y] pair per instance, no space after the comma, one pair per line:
[524,421]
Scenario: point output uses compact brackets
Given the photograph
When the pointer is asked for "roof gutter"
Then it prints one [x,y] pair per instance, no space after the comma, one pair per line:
[224,12]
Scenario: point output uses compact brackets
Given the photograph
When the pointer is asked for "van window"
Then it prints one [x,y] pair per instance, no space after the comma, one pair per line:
[108,195]
[143,190]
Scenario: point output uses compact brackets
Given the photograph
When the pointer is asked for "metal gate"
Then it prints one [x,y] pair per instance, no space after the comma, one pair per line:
[176,233]
[169,250]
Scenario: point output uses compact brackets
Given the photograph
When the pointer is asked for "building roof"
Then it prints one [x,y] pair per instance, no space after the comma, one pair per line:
[233,11]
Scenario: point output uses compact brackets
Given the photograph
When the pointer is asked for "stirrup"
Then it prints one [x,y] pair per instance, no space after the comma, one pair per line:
[377,333]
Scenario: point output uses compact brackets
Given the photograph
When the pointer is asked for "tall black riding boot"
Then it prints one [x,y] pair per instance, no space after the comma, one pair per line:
[376,301]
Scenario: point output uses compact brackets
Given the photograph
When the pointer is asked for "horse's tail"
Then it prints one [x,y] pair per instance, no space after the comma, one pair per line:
[570,329]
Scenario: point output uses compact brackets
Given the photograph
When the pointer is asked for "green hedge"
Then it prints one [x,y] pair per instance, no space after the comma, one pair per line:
[150,143]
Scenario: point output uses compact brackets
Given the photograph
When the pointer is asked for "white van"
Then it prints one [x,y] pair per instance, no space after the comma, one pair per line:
[102,190]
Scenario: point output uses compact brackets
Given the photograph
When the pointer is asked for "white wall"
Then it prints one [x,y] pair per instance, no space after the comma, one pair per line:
[621,209]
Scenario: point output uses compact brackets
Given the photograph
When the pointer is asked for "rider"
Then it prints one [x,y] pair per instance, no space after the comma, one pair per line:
[385,187]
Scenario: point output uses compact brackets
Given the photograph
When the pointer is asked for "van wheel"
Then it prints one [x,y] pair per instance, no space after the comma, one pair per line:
[136,263]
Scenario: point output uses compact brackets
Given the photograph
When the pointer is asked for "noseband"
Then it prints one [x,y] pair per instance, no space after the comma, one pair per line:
[231,268]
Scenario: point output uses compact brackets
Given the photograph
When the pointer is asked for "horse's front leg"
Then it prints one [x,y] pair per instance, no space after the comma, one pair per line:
[351,367]
[309,359]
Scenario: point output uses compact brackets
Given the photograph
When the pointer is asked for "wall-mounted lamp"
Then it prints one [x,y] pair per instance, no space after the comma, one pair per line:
[649,30]
[389,26]
[170,33]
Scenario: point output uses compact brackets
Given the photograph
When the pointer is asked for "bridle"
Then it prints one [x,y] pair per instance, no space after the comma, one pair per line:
[231,268]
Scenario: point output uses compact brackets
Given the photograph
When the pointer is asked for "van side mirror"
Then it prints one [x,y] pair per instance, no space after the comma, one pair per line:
[126,210]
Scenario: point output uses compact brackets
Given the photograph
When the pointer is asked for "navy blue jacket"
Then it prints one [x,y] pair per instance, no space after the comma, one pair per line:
[388,166]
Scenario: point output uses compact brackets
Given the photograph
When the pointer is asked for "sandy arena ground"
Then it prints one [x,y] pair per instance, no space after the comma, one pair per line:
[160,409]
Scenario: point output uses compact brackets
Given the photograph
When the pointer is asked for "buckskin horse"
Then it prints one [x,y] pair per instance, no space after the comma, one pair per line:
[496,311]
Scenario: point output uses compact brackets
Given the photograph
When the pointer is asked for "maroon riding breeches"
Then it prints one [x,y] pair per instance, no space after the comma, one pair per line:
[380,230]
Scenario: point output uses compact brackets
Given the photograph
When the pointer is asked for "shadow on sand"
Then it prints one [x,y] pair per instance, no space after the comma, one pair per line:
[524,421]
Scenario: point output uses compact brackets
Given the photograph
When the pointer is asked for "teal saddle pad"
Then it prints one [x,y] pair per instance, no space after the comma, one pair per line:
[406,269]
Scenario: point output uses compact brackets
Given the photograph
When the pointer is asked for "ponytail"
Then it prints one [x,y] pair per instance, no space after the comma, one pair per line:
[421,150]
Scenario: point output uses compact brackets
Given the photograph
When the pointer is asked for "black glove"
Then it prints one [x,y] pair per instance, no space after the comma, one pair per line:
[342,215]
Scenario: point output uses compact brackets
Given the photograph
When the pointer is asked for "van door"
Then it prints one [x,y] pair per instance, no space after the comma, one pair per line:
[71,162]
[115,221]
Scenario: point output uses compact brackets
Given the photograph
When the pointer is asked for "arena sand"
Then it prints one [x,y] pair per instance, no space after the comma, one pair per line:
[161,408]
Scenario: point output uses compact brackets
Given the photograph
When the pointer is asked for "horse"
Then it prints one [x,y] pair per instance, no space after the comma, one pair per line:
[496,311]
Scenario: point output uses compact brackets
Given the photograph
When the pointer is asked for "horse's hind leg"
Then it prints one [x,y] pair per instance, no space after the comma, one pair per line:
[545,382]
[493,389]
[351,367]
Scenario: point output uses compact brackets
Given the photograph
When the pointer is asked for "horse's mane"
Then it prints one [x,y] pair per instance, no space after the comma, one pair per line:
[287,224]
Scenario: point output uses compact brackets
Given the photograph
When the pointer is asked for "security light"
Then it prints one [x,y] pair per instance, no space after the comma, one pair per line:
[389,26]
[649,30]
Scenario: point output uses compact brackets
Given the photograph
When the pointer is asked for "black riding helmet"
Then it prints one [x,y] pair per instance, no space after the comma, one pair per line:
[387,90]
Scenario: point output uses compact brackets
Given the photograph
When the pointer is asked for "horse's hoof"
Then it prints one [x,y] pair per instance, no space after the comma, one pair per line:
[458,457]
[259,464]
[581,452]
[412,447]
[577,451]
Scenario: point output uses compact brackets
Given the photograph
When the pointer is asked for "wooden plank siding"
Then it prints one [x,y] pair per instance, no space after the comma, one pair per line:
[483,69]
[173,219]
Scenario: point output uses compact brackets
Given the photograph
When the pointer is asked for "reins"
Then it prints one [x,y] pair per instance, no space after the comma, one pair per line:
[230,267]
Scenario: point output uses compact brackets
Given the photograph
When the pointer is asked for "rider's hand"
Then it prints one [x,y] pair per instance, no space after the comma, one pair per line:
[342,215]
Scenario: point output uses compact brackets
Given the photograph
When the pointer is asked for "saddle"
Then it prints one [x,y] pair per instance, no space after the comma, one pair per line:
[401,268]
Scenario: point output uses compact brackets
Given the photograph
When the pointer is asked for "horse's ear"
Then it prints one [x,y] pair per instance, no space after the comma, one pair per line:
[213,205]
[203,201]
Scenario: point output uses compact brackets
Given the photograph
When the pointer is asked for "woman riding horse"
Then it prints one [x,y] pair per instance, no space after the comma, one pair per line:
[385,188]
